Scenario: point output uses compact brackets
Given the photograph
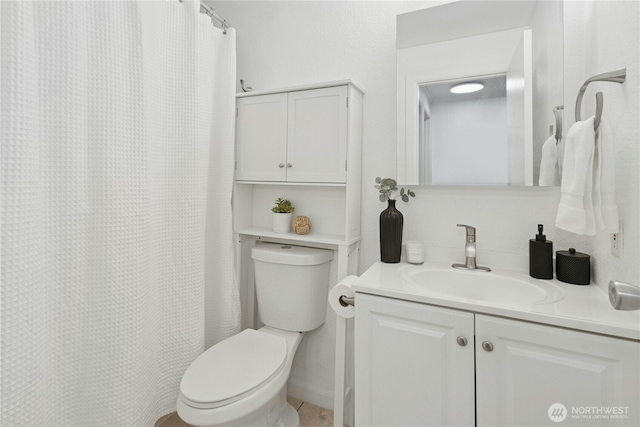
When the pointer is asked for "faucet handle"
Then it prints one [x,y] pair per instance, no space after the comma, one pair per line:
[471,232]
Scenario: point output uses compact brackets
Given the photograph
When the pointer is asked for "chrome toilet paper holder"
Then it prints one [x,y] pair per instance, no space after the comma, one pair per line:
[346,301]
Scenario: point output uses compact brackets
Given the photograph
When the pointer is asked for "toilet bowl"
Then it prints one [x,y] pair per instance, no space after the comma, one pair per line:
[244,384]
[242,380]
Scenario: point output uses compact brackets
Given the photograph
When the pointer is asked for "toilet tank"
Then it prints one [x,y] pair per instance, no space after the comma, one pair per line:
[291,285]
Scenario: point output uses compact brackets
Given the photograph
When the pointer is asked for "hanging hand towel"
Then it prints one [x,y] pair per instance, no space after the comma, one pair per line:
[575,212]
[604,204]
[549,163]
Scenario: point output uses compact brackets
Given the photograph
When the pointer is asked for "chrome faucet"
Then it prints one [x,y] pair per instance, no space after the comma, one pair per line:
[470,251]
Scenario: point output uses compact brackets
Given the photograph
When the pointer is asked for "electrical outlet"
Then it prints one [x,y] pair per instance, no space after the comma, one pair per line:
[617,242]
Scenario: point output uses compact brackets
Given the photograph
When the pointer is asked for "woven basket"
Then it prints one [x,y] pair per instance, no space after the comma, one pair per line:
[301,225]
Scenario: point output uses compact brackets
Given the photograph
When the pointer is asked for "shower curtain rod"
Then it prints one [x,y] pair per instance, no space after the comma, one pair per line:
[208,10]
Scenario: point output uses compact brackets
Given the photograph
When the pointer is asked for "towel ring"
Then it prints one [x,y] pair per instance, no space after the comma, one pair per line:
[599,108]
[616,76]
[557,112]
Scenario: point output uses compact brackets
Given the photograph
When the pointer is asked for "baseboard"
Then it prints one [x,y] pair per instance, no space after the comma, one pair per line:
[313,395]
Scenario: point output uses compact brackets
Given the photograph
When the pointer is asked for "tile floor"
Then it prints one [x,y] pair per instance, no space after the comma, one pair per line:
[310,416]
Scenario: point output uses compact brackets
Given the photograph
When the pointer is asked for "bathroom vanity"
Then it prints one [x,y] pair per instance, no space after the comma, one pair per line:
[436,346]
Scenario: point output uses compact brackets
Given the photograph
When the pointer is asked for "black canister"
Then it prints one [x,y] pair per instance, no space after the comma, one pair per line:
[541,256]
[573,267]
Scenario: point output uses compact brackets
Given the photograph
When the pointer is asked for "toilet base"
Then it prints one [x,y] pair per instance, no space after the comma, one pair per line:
[289,416]
[275,413]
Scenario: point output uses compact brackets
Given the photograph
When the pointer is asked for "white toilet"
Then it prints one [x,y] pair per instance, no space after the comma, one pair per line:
[242,381]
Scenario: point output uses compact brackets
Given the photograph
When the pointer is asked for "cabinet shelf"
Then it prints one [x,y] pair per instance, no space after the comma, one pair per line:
[326,239]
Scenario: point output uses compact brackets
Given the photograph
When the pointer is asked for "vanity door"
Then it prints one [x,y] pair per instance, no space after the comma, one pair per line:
[414,364]
[534,375]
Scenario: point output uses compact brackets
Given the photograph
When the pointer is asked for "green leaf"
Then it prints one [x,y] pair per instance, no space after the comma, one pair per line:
[383,198]
[405,198]
[378,180]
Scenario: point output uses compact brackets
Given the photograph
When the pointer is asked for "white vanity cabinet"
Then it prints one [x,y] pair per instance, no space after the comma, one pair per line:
[413,369]
[299,136]
[530,367]
[409,368]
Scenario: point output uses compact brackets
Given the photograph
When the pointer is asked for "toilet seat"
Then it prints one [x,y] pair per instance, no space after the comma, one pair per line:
[233,368]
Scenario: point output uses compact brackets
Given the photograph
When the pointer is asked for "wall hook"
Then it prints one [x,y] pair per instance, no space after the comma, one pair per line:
[245,88]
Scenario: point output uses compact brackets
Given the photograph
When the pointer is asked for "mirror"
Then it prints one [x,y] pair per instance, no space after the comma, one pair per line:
[514,50]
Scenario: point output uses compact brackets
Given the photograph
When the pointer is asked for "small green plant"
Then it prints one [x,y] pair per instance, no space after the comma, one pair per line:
[387,186]
[283,206]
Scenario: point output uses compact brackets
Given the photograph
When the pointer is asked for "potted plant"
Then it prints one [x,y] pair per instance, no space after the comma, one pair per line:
[391,220]
[282,215]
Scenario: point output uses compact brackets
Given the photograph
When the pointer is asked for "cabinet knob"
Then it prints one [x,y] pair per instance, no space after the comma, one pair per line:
[462,341]
[487,346]
[289,165]
[281,165]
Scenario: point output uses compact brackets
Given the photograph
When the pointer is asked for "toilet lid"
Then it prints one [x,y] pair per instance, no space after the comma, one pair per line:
[233,368]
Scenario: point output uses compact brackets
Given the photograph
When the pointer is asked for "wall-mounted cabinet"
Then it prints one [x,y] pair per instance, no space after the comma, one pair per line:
[418,364]
[303,144]
[299,136]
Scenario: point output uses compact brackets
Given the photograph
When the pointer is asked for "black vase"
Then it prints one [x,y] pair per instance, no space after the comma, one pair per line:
[391,233]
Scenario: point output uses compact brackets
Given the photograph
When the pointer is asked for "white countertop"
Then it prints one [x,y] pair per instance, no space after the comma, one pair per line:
[585,308]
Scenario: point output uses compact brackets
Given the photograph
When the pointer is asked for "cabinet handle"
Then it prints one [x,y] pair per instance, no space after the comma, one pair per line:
[462,341]
[289,165]
[281,165]
[487,346]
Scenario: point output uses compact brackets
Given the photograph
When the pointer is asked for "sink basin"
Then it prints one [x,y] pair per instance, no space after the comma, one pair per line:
[486,287]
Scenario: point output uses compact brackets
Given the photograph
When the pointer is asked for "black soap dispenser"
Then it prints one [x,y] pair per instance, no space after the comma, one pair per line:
[541,256]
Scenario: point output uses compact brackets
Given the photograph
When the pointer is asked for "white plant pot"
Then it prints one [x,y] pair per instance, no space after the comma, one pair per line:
[282,222]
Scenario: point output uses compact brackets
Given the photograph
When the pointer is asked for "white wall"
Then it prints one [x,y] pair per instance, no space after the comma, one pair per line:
[469,141]
[602,36]
[282,44]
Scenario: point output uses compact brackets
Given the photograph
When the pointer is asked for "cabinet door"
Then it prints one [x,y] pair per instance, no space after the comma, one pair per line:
[317,143]
[409,369]
[533,367]
[261,138]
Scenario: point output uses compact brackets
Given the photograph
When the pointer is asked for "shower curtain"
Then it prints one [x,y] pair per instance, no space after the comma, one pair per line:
[115,115]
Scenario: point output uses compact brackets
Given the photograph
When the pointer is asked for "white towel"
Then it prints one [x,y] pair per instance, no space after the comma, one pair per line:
[549,163]
[575,212]
[604,204]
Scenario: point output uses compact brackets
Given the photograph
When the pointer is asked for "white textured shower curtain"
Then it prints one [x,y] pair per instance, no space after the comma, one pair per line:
[108,126]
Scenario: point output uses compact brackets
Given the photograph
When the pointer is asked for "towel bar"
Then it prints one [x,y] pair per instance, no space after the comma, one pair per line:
[616,76]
